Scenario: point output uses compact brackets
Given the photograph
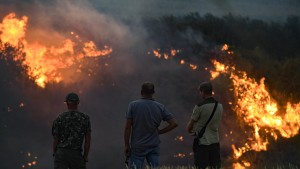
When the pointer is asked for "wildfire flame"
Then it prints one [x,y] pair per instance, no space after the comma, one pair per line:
[45,62]
[255,106]
[173,52]
[166,56]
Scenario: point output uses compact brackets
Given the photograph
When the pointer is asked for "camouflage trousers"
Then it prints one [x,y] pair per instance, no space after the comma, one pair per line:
[68,159]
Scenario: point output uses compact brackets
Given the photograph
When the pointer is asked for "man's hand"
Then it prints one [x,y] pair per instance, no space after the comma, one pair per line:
[172,124]
[127,151]
[190,126]
[55,143]
[85,159]
[87,144]
[127,133]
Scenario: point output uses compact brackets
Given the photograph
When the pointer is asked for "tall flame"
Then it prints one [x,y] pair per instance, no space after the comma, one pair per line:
[12,29]
[44,62]
[256,107]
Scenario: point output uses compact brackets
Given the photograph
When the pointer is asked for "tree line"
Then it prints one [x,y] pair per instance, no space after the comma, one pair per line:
[262,48]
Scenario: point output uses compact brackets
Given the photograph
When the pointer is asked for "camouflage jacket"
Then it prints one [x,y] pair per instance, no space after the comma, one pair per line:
[70,128]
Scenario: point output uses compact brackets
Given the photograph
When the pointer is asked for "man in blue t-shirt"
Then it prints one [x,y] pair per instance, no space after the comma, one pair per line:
[141,133]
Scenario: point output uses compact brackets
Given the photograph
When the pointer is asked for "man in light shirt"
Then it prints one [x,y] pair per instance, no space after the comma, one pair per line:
[207,148]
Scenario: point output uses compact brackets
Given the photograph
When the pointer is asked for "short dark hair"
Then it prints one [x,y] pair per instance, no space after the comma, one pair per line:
[148,88]
[72,98]
[205,87]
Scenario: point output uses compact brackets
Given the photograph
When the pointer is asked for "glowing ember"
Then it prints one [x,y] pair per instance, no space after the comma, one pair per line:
[156,53]
[179,138]
[192,66]
[166,56]
[46,62]
[225,47]
[31,161]
[22,104]
[179,155]
[173,52]
[255,107]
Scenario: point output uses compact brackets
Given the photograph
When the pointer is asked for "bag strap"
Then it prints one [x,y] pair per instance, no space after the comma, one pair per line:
[212,114]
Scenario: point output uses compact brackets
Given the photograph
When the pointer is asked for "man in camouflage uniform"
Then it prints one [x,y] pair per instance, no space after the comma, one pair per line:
[69,130]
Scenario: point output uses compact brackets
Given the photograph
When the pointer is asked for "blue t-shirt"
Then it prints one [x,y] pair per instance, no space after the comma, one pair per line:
[146,115]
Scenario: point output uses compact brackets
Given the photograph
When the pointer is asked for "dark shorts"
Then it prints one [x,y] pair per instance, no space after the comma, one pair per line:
[207,155]
[68,159]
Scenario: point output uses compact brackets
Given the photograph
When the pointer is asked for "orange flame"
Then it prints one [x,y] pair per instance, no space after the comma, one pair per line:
[179,138]
[166,56]
[12,29]
[156,53]
[45,62]
[192,66]
[173,52]
[179,155]
[256,108]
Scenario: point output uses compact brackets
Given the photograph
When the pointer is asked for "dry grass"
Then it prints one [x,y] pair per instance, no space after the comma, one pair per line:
[191,167]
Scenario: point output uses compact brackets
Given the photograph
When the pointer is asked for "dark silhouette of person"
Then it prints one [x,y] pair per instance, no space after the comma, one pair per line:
[70,129]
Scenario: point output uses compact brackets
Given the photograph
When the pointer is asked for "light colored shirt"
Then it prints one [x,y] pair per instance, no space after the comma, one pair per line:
[201,114]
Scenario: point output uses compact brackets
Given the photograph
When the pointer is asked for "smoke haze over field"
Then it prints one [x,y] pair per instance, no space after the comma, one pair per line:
[107,84]
[276,10]
[262,9]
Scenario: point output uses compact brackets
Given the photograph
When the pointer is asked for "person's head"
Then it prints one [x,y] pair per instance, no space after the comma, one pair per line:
[147,89]
[72,100]
[205,89]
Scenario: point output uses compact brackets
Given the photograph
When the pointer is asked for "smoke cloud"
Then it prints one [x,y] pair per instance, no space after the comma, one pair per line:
[277,10]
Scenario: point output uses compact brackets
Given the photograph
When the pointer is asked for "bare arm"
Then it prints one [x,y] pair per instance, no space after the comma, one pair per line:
[190,126]
[127,133]
[172,124]
[55,143]
[87,144]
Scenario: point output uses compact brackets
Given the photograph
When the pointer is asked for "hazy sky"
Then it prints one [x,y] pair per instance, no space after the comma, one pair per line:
[276,10]
[264,9]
